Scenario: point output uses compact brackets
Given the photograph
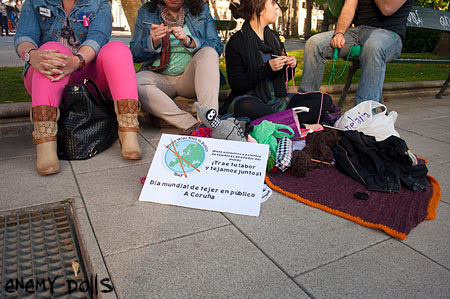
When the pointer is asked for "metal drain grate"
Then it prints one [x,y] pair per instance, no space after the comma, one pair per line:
[38,254]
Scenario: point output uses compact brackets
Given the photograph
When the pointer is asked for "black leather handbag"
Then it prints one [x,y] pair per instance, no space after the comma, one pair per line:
[87,123]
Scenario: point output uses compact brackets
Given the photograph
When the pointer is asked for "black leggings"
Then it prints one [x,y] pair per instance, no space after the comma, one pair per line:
[253,108]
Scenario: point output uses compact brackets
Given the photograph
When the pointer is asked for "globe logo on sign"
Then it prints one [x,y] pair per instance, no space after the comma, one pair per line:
[184,156]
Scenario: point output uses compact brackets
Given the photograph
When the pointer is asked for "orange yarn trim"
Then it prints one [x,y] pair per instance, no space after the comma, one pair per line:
[435,198]
[432,206]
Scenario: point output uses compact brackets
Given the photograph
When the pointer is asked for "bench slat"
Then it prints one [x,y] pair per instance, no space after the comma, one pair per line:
[428,18]
[421,60]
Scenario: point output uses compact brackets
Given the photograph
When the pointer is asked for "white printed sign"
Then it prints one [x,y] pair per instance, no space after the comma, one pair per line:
[206,173]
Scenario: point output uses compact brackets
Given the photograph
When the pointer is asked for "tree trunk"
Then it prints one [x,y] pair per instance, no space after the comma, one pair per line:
[288,25]
[443,47]
[214,5]
[130,8]
[308,19]
[294,26]
[325,23]
[283,4]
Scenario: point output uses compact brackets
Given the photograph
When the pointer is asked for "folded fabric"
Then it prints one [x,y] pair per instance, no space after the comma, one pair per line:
[284,154]
[267,133]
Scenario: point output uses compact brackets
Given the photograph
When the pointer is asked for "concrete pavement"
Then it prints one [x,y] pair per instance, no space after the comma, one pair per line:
[290,251]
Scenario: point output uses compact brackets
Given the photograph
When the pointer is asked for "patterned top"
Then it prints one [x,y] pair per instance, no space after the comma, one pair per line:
[179,56]
[68,37]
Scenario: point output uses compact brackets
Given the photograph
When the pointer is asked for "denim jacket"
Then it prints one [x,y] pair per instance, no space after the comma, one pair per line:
[41,21]
[202,28]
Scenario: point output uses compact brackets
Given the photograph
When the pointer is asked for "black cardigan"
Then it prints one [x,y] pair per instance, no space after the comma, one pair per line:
[242,79]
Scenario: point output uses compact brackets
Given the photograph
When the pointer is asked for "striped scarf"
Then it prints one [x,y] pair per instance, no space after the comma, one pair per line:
[169,21]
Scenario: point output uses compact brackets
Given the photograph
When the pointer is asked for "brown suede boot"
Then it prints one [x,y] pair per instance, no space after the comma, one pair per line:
[127,116]
[45,123]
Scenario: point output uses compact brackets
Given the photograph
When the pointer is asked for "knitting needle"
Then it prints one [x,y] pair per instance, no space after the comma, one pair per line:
[330,127]
[182,158]
[321,162]
[179,160]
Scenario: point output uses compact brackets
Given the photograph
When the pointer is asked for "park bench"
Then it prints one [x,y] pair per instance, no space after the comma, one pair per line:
[419,17]
[224,27]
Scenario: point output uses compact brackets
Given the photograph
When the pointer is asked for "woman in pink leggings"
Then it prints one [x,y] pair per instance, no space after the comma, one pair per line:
[62,43]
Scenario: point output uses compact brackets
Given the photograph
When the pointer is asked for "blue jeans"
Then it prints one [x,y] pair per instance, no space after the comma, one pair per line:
[378,47]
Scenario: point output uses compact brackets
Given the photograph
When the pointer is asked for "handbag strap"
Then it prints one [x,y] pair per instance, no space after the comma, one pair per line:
[100,98]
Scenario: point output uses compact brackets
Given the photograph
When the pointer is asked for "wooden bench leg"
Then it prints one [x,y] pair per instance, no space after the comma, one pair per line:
[351,72]
[443,88]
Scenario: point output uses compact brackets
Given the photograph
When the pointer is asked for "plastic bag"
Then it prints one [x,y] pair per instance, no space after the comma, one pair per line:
[287,117]
[267,133]
[360,118]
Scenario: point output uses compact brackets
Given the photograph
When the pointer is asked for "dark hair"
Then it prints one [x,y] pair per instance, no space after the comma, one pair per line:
[246,8]
[195,6]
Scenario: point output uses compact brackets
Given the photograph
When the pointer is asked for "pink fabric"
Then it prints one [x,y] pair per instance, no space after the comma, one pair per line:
[113,71]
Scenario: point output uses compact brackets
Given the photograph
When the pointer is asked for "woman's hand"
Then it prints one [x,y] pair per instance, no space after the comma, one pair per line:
[47,62]
[70,64]
[338,41]
[277,63]
[291,61]
[180,35]
[158,32]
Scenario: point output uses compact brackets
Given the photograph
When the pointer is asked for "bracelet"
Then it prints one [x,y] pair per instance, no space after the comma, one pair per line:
[82,61]
[336,33]
[190,41]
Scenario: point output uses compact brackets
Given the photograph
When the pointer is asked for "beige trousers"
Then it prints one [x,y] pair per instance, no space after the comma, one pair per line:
[201,79]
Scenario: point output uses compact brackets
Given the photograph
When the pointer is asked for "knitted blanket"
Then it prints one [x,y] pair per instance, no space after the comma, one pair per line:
[329,190]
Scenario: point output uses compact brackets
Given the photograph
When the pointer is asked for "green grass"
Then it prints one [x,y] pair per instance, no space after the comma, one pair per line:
[11,86]
[12,89]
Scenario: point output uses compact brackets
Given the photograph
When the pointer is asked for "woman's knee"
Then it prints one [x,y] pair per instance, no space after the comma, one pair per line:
[145,79]
[114,50]
[207,54]
[245,105]
[56,45]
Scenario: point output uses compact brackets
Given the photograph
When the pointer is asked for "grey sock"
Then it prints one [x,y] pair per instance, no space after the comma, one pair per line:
[228,129]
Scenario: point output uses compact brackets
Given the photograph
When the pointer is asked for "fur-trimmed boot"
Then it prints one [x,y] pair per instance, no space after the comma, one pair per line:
[127,116]
[45,123]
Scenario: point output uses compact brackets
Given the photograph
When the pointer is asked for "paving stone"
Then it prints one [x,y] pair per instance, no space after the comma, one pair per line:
[219,263]
[443,137]
[121,222]
[388,270]
[424,128]
[150,132]
[431,238]
[440,105]
[428,148]
[300,238]
[12,147]
[112,187]
[112,158]
[93,259]
[22,186]
[423,112]
[443,121]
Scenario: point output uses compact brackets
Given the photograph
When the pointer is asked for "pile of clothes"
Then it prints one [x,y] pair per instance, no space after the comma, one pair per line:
[379,165]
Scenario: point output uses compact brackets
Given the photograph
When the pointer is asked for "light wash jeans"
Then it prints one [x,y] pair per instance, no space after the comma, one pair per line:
[378,47]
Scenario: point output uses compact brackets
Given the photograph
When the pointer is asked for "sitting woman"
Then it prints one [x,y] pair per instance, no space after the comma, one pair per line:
[257,66]
[63,42]
[178,43]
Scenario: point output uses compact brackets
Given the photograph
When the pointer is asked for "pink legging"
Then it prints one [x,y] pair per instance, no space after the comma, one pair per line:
[113,71]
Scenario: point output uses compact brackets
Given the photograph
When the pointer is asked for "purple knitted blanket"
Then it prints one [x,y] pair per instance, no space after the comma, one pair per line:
[329,190]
